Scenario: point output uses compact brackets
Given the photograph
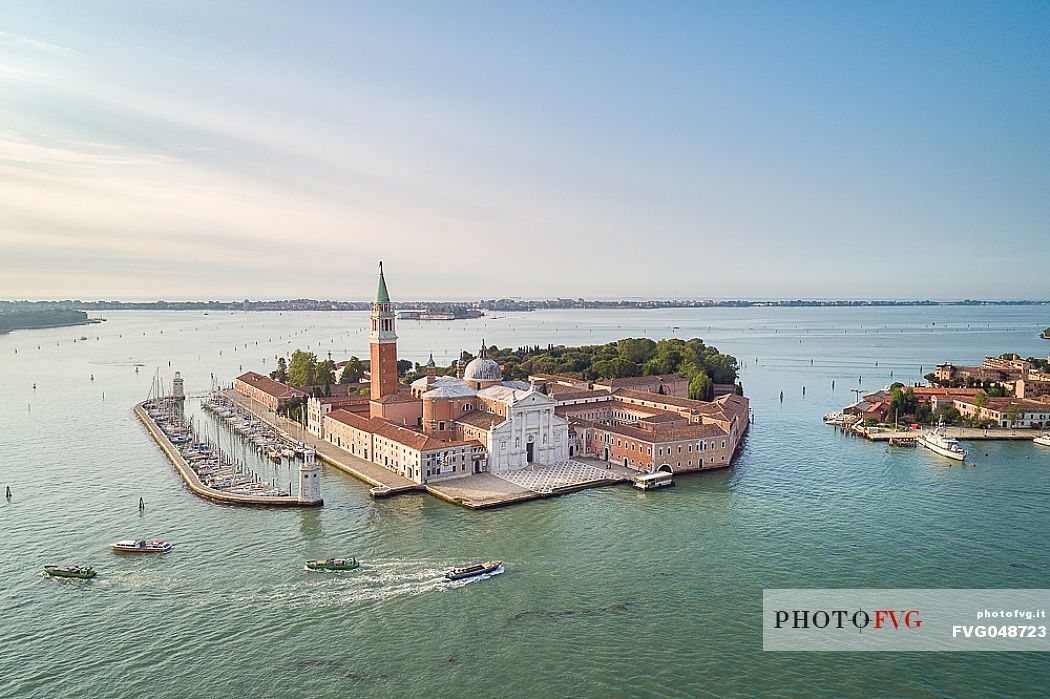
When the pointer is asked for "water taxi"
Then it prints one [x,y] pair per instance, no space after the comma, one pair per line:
[141,546]
[473,571]
[79,572]
[331,564]
[938,441]
[1044,440]
[652,481]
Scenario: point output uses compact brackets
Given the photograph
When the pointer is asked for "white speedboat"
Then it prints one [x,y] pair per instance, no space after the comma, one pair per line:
[1044,440]
[937,440]
[141,546]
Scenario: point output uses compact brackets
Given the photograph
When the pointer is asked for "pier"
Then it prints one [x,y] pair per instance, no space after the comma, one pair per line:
[970,434]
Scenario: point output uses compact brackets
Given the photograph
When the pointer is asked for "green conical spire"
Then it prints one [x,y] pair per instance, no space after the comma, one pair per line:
[381,293]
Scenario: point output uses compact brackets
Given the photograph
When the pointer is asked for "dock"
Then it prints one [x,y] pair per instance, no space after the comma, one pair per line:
[970,434]
[194,483]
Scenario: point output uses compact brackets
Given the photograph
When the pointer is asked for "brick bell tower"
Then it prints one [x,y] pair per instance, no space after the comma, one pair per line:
[382,343]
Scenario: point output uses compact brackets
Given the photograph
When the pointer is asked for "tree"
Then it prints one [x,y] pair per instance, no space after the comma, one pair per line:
[281,373]
[615,368]
[636,349]
[353,371]
[403,366]
[324,372]
[721,367]
[701,387]
[301,368]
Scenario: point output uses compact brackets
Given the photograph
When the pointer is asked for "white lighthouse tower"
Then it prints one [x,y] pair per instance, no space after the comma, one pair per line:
[310,479]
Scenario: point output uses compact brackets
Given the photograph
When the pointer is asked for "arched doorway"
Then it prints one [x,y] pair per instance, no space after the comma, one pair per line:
[666,468]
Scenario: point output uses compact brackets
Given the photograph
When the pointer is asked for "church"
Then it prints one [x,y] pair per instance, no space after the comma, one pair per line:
[442,427]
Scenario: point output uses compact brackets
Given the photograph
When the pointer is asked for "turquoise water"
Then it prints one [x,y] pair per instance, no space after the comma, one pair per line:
[606,592]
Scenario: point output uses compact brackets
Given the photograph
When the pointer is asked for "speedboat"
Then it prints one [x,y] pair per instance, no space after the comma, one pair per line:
[141,546]
[472,571]
[937,440]
[1044,440]
[80,572]
[333,564]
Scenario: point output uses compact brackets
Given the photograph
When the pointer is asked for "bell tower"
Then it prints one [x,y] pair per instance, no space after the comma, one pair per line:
[382,343]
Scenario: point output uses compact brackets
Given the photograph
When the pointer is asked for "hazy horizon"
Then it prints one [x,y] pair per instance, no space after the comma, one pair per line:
[747,151]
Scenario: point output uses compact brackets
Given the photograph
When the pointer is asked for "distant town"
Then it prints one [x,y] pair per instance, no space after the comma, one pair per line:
[461,309]
[1002,392]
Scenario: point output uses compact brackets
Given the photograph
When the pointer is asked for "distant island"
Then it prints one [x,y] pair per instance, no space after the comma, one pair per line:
[42,318]
[445,310]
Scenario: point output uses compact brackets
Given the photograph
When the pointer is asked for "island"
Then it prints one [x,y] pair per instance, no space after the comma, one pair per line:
[43,318]
[507,425]
[1004,397]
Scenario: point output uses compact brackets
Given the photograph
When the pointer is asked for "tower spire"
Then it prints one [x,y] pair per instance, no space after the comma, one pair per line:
[382,296]
[483,352]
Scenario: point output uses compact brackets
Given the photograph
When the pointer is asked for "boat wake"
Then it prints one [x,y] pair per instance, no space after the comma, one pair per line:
[375,582]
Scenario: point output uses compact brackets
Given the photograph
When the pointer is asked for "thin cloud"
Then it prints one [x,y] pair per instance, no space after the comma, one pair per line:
[15,148]
[36,44]
[11,74]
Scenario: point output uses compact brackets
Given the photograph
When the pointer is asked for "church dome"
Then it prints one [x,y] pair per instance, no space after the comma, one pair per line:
[482,369]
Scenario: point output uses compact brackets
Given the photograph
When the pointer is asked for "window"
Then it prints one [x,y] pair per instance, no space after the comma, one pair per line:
[441,425]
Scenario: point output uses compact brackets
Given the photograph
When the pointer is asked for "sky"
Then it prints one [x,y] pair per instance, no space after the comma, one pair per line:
[193,150]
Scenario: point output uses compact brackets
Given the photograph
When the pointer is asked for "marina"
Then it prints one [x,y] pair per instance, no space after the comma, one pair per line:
[210,472]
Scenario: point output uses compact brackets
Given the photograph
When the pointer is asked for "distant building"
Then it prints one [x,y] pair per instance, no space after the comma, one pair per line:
[273,394]
[1006,412]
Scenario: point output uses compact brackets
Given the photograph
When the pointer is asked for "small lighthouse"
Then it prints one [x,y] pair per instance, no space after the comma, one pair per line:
[310,479]
[178,391]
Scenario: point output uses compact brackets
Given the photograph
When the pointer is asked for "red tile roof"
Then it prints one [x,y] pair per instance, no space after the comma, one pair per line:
[270,387]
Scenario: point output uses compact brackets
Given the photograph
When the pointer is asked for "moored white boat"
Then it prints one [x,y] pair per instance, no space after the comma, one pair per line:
[938,441]
[1043,440]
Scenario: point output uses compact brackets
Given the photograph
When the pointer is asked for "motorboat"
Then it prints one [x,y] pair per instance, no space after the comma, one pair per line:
[1044,440]
[473,570]
[79,572]
[141,546]
[333,564]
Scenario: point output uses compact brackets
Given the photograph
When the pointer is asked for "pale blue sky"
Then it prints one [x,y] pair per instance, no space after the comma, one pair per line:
[246,149]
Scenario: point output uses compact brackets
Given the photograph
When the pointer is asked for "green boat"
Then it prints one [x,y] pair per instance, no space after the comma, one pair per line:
[80,572]
[333,564]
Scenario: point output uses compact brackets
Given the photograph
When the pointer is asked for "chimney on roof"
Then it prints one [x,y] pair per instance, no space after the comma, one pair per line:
[431,370]
[459,366]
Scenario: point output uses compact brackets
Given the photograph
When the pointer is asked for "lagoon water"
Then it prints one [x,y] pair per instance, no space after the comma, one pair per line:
[606,592]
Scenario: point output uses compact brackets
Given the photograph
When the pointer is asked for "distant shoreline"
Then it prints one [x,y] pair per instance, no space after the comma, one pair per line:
[498,306]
